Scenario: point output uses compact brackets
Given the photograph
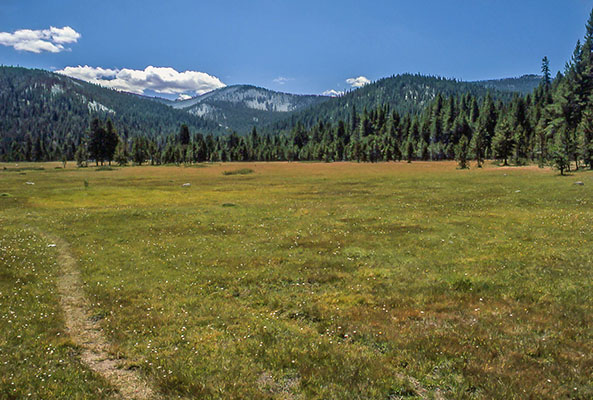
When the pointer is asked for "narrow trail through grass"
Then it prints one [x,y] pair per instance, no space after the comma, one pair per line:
[420,391]
[87,334]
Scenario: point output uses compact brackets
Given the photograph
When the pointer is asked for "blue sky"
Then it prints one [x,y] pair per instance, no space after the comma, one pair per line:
[294,46]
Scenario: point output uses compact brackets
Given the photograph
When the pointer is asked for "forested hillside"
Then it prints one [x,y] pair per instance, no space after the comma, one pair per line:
[44,115]
[404,94]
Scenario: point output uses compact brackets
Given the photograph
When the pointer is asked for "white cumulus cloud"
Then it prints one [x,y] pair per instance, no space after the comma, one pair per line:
[36,41]
[64,35]
[164,80]
[281,80]
[358,82]
[333,93]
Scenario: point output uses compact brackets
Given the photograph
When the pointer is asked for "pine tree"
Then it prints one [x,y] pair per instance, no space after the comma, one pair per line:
[139,150]
[423,150]
[184,135]
[353,119]
[559,154]
[38,150]
[28,148]
[546,76]
[522,130]
[474,111]
[121,154]
[589,29]
[15,151]
[81,156]
[488,120]
[96,146]
[586,138]
[436,130]
[409,150]
[503,142]
[153,153]
[542,141]
[461,152]
[111,141]
[565,115]
[478,144]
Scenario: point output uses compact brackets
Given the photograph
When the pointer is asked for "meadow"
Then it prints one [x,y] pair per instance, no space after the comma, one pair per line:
[302,280]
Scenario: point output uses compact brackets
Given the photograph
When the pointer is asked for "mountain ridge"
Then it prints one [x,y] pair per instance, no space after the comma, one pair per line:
[239,107]
[58,109]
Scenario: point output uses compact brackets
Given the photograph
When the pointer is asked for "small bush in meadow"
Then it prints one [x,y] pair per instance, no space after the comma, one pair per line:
[242,171]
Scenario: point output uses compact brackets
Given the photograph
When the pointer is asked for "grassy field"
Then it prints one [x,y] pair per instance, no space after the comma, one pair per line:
[303,281]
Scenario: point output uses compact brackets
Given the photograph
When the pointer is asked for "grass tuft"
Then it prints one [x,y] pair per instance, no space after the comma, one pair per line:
[242,171]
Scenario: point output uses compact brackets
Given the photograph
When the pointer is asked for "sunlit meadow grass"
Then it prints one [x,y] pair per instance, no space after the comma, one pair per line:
[37,359]
[329,281]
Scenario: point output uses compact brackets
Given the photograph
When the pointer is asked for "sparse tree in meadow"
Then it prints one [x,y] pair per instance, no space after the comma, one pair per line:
[81,156]
[462,152]
[559,156]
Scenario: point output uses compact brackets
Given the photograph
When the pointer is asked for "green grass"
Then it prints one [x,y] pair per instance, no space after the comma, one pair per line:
[242,171]
[325,281]
[37,359]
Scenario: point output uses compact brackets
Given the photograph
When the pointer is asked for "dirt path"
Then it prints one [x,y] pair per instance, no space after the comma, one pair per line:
[421,391]
[88,335]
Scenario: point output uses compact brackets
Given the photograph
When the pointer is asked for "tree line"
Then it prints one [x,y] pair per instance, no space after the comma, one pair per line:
[552,125]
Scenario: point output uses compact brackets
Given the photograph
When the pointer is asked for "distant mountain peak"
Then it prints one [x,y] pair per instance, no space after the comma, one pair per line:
[239,107]
[523,84]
